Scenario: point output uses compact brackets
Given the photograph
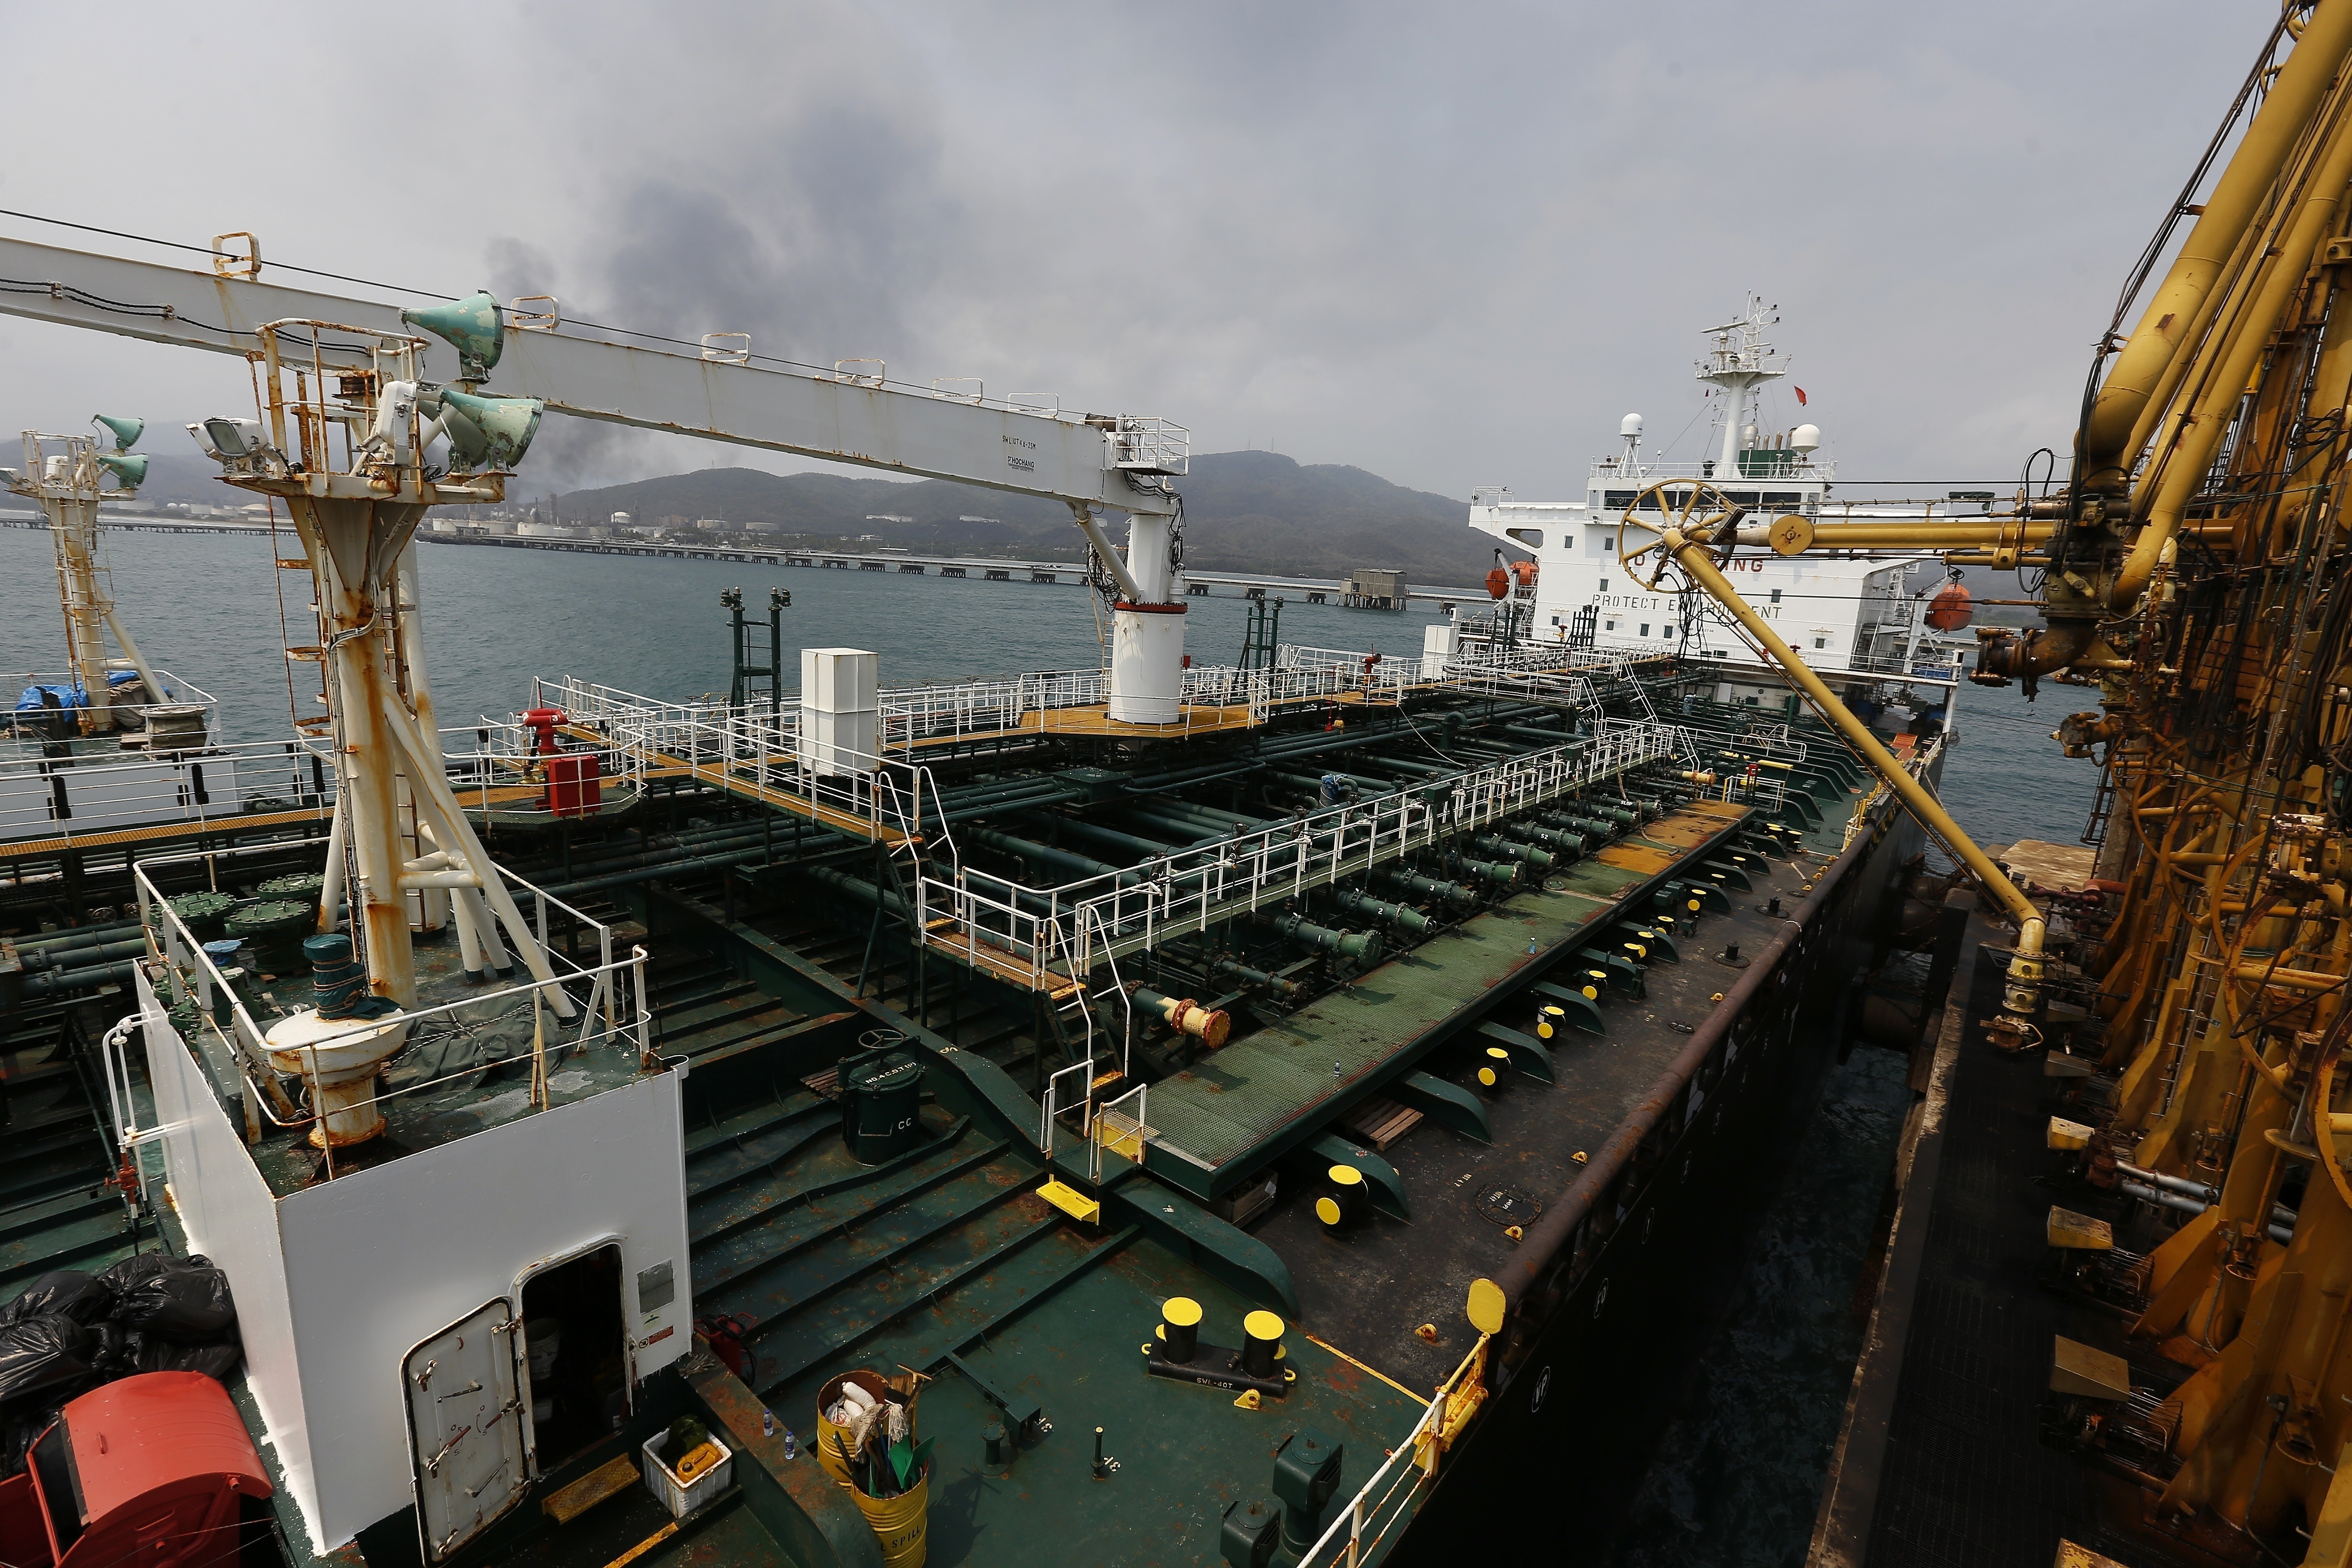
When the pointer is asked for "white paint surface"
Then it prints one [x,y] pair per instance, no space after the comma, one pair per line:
[335,1283]
[230,1217]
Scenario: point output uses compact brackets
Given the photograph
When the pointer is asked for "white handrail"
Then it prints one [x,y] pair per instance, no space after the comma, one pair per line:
[1361,1509]
[192,973]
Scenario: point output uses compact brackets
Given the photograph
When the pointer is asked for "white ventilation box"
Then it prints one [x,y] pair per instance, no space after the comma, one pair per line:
[1437,645]
[840,710]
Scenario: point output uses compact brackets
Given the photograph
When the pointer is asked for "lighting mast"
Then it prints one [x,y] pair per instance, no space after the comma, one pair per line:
[343,439]
[65,474]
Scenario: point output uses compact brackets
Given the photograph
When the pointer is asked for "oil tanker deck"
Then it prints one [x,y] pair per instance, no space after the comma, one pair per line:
[1204,1113]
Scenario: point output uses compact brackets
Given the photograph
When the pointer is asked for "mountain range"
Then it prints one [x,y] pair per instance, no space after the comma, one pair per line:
[1244,511]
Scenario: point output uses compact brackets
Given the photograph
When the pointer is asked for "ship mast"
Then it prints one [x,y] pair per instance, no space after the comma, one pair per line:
[347,425]
[67,474]
[1740,362]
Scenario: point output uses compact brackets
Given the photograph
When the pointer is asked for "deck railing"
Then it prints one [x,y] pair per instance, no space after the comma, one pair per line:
[1038,935]
[1081,923]
[1357,1532]
[80,797]
[760,753]
[601,1005]
[487,760]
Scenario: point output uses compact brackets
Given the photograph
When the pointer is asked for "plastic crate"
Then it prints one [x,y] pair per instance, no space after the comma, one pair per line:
[682,1498]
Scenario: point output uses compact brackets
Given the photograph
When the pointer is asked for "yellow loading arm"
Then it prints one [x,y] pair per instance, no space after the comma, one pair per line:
[1685,543]
[2198,570]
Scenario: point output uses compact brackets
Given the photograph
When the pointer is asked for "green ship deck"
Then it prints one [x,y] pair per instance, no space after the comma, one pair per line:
[1261,1095]
[948,1261]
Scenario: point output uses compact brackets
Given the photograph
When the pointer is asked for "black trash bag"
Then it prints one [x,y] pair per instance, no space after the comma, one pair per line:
[218,1362]
[117,1353]
[19,1423]
[184,1299]
[40,1355]
[81,1296]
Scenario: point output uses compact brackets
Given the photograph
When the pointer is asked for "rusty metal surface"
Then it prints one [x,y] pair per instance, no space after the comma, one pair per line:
[1374,1284]
[1543,1239]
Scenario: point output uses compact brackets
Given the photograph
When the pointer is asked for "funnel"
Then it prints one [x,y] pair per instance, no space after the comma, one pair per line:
[488,432]
[126,432]
[473,326]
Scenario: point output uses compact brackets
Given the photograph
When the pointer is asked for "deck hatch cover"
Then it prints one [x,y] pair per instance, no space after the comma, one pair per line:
[465,1443]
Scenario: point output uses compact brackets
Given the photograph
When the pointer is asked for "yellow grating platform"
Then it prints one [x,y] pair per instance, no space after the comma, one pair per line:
[1098,722]
[946,936]
[1122,1136]
[1071,1200]
[783,800]
[160,830]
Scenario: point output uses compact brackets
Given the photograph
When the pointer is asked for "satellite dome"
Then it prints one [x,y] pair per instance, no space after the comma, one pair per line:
[1629,426]
[1805,437]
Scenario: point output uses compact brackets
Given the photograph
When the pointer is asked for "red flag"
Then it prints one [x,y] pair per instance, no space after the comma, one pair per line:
[1800,395]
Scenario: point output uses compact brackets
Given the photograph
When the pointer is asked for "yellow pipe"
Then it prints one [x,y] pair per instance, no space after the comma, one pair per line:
[2295,979]
[1931,534]
[2331,378]
[2185,466]
[1940,535]
[2230,210]
[2025,970]
[2185,355]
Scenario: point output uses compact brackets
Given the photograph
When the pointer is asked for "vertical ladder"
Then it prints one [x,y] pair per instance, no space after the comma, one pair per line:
[302,647]
[2103,805]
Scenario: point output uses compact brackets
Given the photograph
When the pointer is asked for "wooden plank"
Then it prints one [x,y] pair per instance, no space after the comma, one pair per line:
[2054,868]
[1379,1122]
[606,1480]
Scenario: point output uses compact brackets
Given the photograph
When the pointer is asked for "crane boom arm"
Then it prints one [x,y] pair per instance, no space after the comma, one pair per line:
[584,372]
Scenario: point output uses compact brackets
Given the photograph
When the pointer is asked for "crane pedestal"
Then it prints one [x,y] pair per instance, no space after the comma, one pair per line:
[398,822]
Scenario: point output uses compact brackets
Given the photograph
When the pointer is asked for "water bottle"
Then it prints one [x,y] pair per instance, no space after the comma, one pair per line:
[767,1422]
[791,1444]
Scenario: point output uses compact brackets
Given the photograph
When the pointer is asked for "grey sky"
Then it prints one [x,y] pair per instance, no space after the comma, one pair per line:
[1451,244]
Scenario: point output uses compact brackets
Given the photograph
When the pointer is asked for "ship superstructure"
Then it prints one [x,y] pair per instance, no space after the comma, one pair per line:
[1854,614]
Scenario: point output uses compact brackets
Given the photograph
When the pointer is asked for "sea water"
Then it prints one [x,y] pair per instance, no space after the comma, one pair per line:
[1740,1475]
[206,607]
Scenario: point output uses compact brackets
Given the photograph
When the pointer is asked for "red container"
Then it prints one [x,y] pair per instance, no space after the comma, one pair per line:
[575,786]
[148,1470]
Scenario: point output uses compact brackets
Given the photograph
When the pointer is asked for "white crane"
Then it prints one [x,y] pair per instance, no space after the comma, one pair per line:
[333,366]
[67,475]
[1099,465]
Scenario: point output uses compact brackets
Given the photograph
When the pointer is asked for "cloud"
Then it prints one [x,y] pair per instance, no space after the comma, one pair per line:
[1449,244]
